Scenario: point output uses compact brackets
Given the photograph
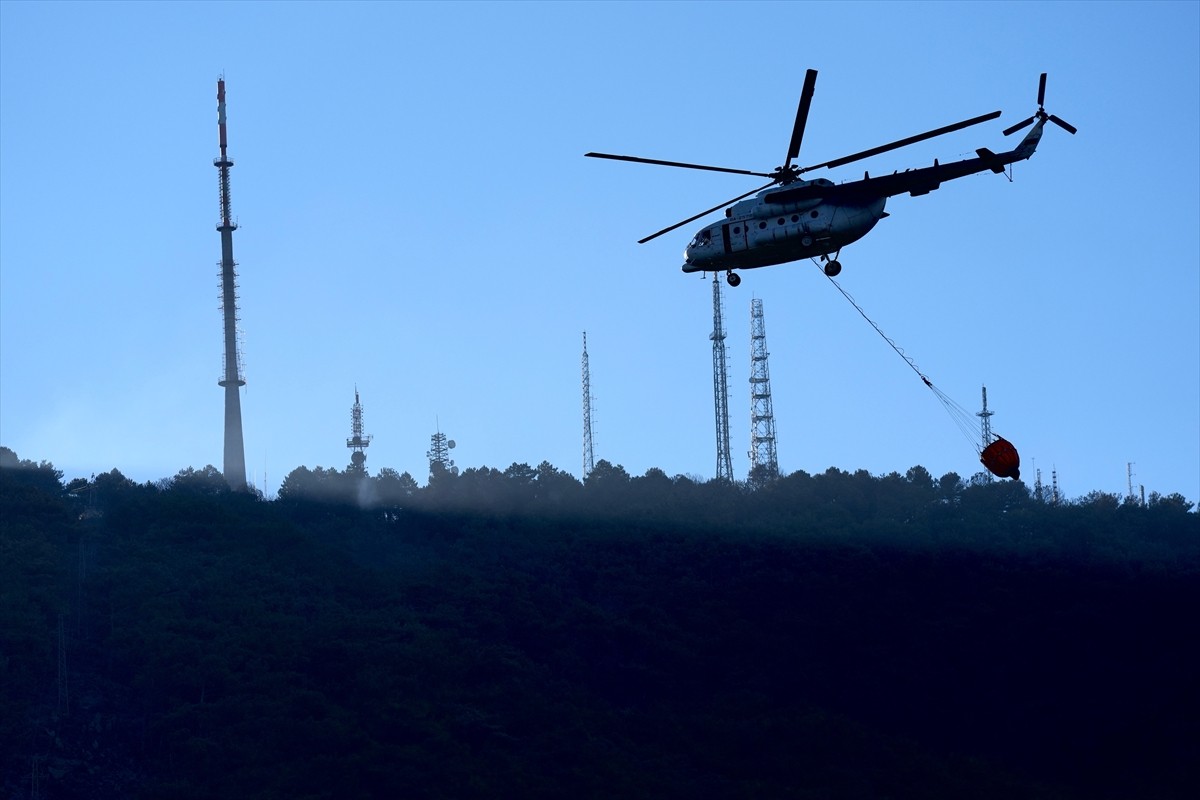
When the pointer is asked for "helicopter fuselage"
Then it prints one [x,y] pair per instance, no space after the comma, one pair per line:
[791,219]
[758,233]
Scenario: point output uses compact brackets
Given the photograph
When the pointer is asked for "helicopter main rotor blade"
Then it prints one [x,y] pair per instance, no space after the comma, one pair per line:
[874,151]
[1042,90]
[638,160]
[806,96]
[704,213]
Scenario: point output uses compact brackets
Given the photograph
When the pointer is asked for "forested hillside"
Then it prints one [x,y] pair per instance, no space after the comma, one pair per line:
[520,634]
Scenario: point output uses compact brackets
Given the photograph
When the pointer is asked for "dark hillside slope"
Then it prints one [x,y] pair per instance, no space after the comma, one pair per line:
[867,640]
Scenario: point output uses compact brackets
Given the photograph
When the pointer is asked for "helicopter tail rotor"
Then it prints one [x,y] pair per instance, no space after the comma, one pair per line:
[1041,114]
[1022,124]
[1066,126]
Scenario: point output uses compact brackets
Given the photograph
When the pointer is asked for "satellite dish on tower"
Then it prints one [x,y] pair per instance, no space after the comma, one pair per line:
[450,444]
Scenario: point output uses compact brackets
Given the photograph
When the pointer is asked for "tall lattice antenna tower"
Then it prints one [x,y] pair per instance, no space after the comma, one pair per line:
[985,417]
[985,425]
[720,385]
[231,377]
[358,441]
[764,464]
[589,456]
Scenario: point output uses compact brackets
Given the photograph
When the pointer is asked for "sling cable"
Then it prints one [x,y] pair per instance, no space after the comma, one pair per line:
[996,453]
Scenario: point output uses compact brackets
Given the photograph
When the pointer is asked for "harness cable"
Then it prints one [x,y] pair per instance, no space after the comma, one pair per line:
[962,418]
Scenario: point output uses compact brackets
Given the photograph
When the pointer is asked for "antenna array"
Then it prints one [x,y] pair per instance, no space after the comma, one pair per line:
[357,441]
[439,456]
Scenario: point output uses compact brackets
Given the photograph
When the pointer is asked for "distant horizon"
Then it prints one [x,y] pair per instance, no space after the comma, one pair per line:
[1142,493]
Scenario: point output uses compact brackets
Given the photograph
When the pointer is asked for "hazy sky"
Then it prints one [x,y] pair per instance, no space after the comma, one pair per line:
[418,220]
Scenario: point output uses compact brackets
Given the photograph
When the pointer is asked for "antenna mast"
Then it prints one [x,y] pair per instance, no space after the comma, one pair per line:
[589,461]
[986,422]
[231,377]
[1129,477]
[357,441]
[764,465]
[438,454]
[986,429]
[720,385]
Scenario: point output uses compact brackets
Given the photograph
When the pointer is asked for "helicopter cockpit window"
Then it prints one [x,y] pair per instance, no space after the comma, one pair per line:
[702,238]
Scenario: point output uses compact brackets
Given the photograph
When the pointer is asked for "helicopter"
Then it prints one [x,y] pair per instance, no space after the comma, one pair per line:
[791,218]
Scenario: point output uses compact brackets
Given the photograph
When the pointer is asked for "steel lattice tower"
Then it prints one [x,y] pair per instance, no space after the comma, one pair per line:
[764,465]
[439,455]
[985,426]
[357,441]
[231,377]
[986,422]
[720,385]
[589,461]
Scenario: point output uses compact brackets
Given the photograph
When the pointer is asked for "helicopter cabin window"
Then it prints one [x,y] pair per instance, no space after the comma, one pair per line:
[813,214]
[782,220]
[737,230]
[762,225]
[795,217]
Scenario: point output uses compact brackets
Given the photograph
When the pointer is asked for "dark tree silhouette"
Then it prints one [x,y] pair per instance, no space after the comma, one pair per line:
[519,633]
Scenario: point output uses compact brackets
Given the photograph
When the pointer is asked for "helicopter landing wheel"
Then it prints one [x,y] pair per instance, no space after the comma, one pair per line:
[833,268]
[733,278]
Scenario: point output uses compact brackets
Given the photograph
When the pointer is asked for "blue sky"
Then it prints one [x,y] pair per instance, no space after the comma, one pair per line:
[417,220]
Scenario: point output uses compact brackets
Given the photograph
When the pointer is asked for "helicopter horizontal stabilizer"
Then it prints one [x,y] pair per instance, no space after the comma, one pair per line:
[986,155]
